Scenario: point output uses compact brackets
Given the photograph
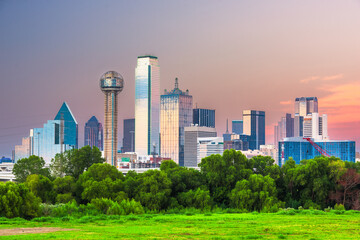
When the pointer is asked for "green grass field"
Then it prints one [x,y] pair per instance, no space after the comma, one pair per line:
[198,226]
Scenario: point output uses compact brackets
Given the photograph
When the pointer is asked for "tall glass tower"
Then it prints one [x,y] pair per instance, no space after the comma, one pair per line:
[111,83]
[147,105]
[254,126]
[93,133]
[176,114]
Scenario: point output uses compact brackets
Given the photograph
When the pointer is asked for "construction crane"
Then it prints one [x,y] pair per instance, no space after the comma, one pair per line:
[317,147]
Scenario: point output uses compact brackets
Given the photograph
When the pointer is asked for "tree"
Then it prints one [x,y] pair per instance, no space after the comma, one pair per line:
[254,194]
[27,166]
[198,199]
[348,190]
[154,190]
[265,165]
[42,187]
[222,173]
[18,201]
[65,189]
[75,161]
[101,181]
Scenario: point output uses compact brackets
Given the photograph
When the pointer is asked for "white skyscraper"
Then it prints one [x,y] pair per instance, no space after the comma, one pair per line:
[147,105]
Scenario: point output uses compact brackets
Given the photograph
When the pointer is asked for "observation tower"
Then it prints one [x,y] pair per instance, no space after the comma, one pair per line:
[111,84]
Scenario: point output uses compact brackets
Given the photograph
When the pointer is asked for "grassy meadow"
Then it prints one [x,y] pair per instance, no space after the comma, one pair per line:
[282,225]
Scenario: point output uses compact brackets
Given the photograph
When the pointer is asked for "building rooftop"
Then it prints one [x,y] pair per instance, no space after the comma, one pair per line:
[147,56]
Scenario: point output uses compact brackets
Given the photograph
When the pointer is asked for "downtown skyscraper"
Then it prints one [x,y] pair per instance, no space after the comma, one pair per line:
[93,133]
[147,105]
[176,114]
[254,126]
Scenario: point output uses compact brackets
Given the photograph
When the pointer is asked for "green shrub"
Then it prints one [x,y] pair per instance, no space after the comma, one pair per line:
[339,207]
[64,198]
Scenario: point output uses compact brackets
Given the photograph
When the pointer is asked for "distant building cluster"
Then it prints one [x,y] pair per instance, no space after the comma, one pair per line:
[167,126]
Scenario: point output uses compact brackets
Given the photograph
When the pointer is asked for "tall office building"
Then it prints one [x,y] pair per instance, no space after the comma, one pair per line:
[315,126]
[129,135]
[70,125]
[204,117]
[305,106]
[192,134]
[93,133]
[237,126]
[298,126]
[284,128]
[23,150]
[254,126]
[111,84]
[147,105]
[175,114]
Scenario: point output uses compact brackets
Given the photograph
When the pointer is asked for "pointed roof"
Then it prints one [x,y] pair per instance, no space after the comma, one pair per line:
[65,110]
[93,119]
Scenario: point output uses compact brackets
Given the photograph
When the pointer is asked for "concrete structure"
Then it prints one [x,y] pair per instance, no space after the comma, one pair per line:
[147,105]
[315,126]
[284,128]
[93,133]
[237,126]
[270,150]
[237,142]
[111,84]
[305,106]
[129,135]
[254,126]
[299,149]
[192,133]
[204,117]
[208,146]
[23,150]
[175,114]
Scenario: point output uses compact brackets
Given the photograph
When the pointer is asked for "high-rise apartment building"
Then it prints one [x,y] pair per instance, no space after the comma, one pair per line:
[192,134]
[93,133]
[204,117]
[254,126]
[237,126]
[147,105]
[175,114]
[129,135]
[111,84]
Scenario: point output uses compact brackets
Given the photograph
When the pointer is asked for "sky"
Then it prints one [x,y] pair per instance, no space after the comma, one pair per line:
[231,55]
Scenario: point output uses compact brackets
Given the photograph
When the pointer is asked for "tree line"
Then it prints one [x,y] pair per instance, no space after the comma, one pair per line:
[81,177]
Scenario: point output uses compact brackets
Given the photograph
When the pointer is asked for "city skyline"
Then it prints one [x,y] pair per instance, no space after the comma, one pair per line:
[297,59]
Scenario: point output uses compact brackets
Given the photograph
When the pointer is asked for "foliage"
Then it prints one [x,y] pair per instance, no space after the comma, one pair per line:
[199,199]
[75,161]
[254,194]
[223,172]
[27,166]
[42,187]
[16,200]
[154,190]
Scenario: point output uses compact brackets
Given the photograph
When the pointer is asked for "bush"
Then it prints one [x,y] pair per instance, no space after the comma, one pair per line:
[64,198]
[339,207]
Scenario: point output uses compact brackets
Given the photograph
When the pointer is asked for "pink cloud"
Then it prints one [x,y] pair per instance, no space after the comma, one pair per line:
[324,78]
[286,102]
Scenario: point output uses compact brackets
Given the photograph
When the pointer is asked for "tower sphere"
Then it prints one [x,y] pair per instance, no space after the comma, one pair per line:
[111,81]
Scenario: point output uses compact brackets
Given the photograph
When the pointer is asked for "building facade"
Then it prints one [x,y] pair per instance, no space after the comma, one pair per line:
[93,133]
[192,133]
[23,150]
[237,126]
[305,106]
[175,114]
[70,125]
[147,105]
[254,126]
[207,146]
[129,135]
[299,149]
[204,117]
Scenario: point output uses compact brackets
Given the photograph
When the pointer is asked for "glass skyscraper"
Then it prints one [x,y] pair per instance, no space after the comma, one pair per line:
[305,106]
[93,133]
[176,113]
[129,135]
[254,126]
[204,117]
[70,125]
[237,126]
[147,105]
[299,149]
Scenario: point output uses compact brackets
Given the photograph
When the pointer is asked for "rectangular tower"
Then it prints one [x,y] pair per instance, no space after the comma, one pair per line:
[237,126]
[176,113]
[254,126]
[204,117]
[129,135]
[147,105]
